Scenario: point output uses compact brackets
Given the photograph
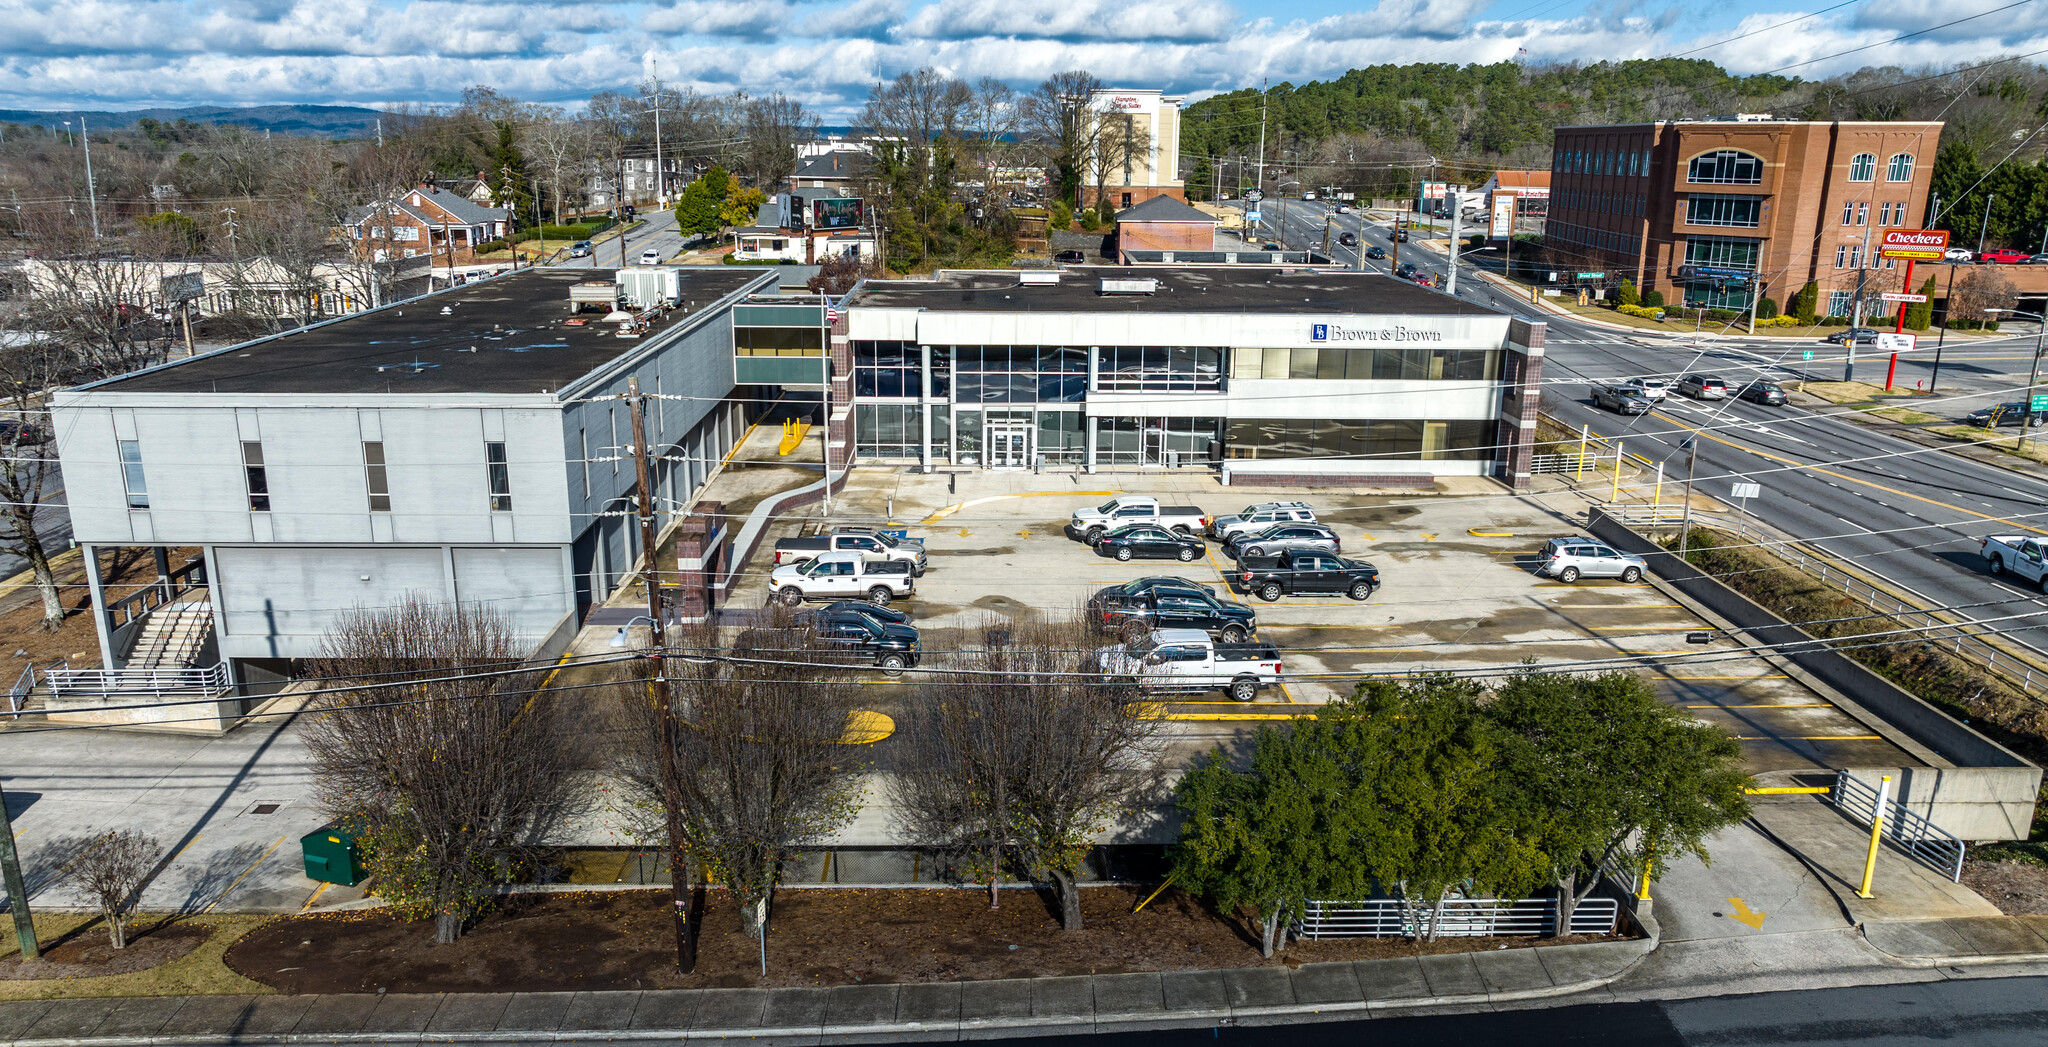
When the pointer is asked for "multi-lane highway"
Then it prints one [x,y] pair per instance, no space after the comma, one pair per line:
[1907,512]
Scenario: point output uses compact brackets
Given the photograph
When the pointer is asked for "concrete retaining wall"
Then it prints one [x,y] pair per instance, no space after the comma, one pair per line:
[1988,794]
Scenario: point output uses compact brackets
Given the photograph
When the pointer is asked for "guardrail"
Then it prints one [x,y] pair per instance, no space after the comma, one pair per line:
[1914,836]
[204,681]
[1460,918]
[17,696]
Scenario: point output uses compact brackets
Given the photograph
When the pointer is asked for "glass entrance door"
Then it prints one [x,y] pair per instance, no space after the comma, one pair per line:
[1009,446]
[1155,443]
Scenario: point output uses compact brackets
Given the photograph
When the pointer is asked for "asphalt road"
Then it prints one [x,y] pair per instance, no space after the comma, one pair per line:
[1990,1012]
[1911,514]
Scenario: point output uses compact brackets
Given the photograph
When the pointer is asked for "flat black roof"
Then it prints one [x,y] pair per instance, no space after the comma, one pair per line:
[502,335]
[1204,289]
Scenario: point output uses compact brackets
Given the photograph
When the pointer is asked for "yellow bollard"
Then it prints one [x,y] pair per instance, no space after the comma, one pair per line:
[1615,495]
[1657,495]
[1584,431]
[1884,792]
[1643,885]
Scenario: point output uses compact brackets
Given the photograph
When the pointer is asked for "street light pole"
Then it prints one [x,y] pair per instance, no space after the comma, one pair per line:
[1982,227]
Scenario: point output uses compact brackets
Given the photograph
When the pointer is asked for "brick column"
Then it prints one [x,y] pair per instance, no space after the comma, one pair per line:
[702,550]
[839,435]
[1521,393]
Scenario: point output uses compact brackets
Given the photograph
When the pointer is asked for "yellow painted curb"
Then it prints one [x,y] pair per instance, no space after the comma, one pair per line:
[1485,532]
[1789,790]
[957,506]
[1208,717]
[866,727]
[27,577]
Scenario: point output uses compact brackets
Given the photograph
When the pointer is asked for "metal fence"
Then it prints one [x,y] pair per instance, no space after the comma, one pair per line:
[1461,918]
[1564,463]
[1915,836]
[204,681]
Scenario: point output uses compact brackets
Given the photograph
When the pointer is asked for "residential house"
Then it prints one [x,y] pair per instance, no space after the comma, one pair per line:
[426,221]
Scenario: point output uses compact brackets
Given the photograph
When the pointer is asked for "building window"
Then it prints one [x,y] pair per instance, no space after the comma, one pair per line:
[888,430]
[1863,213]
[1848,212]
[1257,438]
[778,341]
[1468,365]
[583,438]
[1743,211]
[255,476]
[374,476]
[1841,255]
[131,475]
[500,476]
[1017,373]
[1855,256]
[1726,167]
[1721,252]
[1863,167]
[1180,369]
[1839,302]
[885,369]
[1884,214]
[1900,168]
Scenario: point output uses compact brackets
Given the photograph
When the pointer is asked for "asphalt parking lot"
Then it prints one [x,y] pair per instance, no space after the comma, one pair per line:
[1450,601]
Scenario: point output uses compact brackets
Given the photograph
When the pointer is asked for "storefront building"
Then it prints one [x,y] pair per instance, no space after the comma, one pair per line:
[1258,372]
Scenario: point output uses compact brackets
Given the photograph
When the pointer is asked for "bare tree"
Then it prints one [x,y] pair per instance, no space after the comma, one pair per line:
[760,772]
[776,125]
[1981,294]
[445,752]
[1059,119]
[562,148]
[918,109]
[111,868]
[1120,145]
[1025,758]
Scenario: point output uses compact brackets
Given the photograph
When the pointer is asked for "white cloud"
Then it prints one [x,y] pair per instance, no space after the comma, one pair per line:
[743,18]
[1074,20]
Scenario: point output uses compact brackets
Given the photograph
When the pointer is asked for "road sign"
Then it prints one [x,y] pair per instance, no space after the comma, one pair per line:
[180,288]
[1895,297]
[1888,342]
[1255,195]
[1252,216]
[1924,245]
[1808,355]
[2038,403]
[1744,492]
[1592,276]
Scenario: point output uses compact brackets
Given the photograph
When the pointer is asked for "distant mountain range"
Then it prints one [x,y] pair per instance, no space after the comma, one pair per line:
[324,121]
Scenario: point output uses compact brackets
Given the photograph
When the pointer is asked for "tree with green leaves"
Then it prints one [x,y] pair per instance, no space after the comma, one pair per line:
[1920,315]
[741,206]
[505,173]
[697,212]
[1270,837]
[1599,768]
[1805,302]
[1626,293]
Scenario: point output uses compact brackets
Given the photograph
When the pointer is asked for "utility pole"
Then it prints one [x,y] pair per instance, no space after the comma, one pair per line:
[230,225]
[1692,462]
[1856,310]
[1982,227]
[1261,183]
[380,132]
[618,208]
[1948,296]
[17,891]
[92,194]
[663,693]
[1452,268]
[660,172]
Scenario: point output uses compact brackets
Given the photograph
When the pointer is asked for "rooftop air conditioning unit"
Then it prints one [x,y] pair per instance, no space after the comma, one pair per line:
[1129,285]
[1038,276]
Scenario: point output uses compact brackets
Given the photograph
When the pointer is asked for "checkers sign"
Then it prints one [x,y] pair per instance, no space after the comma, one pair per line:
[1924,245]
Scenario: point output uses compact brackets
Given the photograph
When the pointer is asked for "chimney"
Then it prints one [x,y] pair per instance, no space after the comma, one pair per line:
[835,161]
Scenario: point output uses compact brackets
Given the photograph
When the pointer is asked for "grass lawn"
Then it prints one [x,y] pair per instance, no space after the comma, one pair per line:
[1843,392]
[2000,440]
[197,972]
[1905,415]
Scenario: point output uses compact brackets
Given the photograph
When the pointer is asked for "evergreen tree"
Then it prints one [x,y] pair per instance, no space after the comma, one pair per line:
[1653,299]
[1626,293]
[697,209]
[1920,315]
[511,188]
[1805,302]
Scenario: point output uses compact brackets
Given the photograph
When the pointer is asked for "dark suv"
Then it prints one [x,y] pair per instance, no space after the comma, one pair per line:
[1767,393]
[1070,257]
[1129,611]
[891,647]
[1348,239]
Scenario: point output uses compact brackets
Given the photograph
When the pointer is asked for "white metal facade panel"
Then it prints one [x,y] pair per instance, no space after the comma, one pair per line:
[526,585]
[1435,401]
[277,602]
[1257,330]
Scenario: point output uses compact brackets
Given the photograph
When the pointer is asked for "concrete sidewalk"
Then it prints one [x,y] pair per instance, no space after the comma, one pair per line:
[926,1010]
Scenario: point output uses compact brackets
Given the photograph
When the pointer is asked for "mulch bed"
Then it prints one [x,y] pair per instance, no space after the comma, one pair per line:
[87,953]
[2018,888]
[624,940]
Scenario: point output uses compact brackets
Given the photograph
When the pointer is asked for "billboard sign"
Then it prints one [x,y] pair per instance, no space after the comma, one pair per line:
[1924,245]
[839,212]
[180,288]
[1503,225]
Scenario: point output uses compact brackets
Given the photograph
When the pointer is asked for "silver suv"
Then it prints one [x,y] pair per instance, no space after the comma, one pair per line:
[1569,559]
[1258,517]
[1301,536]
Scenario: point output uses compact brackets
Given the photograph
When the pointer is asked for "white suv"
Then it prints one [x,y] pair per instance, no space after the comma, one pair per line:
[1569,559]
[1651,389]
[1258,517]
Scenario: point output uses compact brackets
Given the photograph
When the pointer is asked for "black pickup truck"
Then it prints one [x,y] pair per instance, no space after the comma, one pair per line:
[889,646]
[1304,572]
[1128,613]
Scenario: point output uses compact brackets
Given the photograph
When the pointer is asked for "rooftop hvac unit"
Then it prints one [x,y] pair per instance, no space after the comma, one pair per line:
[1129,285]
[649,287]
[593,292]
[1038,276]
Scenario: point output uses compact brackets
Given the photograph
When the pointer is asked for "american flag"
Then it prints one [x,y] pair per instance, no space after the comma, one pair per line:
[831,313]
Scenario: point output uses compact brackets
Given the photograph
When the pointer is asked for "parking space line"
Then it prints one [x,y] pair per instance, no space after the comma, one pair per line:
[196,837]
[316,896]
[1231,717]
[218,898]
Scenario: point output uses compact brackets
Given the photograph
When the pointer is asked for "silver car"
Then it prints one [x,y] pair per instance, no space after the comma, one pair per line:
[1569,559]
[1259,516]
[1270,542]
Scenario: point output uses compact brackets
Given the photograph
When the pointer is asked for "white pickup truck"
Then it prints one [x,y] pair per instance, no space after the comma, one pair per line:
[2016,554]
[842,575]
[1187,661]
[1089,524]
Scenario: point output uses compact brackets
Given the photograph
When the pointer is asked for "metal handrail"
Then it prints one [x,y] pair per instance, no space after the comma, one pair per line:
[1459,918]
[208,680]
[1913,835]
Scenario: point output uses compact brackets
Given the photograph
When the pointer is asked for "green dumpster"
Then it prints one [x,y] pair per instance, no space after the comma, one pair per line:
[331,855]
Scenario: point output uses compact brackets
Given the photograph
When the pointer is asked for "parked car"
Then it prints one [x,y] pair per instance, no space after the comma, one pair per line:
[1070,257]
[1405,270]
[1569,559]
[1149,541]
[1861,336]
[1133,613]
[2003,256]
[889,646]
[1620,399]
[1348,239]
[884,615]
[16,431]
[2039,259]
[581,249]
[1259,516]
[1375,251]
[1280,537]
[1088,524]
[1343,208]
[631,211]
[1187,661]
[869,542]
[2003,414]
[1400,236]
[1703,387]
[1302,573]
[2017,554]
[1956,254]
[1760,392]
[650,257]
[1651,389]
[837,575]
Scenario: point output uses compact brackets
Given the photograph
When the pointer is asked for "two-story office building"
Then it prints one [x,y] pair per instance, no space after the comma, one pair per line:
[1266,374]
[1703,208]
[470,445]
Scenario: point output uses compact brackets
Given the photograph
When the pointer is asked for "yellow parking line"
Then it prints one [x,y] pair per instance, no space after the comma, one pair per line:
[1232,717]
[316,896]
[196,837]
[245,875]
[1277,625]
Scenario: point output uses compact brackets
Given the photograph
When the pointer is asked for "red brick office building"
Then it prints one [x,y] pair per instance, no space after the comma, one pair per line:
[1698,208]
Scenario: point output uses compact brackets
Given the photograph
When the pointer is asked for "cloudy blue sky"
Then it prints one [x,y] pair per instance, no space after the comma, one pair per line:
[130,53]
